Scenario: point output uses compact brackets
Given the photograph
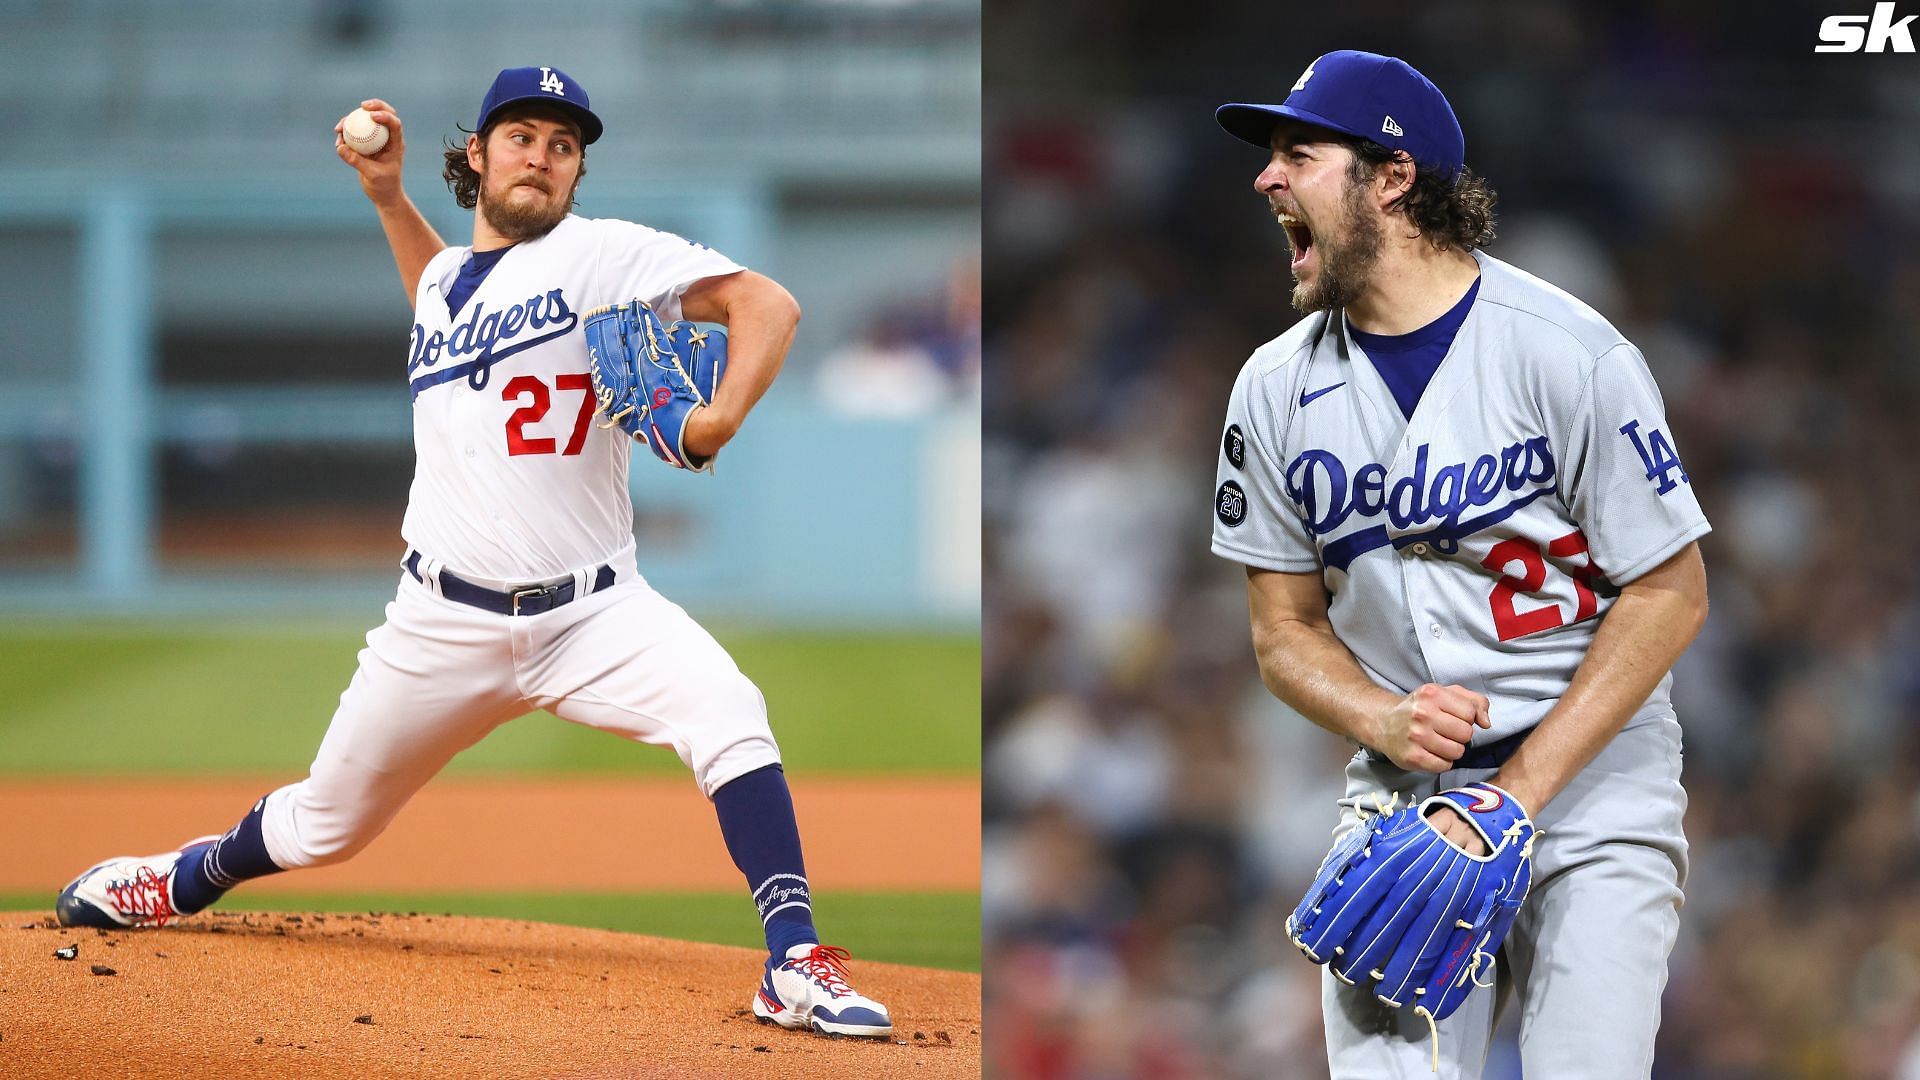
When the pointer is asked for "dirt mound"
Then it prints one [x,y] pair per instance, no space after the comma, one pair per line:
[259,994]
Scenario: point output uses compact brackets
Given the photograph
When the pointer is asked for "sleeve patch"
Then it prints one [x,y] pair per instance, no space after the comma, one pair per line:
[1230,504]
[1657,454]
[1235,446]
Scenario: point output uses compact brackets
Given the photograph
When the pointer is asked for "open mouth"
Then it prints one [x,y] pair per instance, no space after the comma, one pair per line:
[1299,237]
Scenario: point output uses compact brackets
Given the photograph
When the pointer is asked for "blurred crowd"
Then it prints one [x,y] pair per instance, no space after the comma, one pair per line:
[1745,216]
[914,356]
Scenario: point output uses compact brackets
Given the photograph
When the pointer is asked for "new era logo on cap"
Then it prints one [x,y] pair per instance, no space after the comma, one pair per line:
[1366,96]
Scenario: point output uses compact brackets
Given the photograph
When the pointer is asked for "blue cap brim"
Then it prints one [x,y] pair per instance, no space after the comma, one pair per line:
[1254,123]
[590,127]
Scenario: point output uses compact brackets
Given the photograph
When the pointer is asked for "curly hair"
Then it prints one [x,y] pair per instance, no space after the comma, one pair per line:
[1455,213]
[460,176]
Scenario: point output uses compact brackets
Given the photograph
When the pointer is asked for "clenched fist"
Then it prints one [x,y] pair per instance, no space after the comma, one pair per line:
[1429,729]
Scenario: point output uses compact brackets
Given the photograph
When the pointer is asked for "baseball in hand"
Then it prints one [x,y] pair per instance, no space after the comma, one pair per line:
[361,134]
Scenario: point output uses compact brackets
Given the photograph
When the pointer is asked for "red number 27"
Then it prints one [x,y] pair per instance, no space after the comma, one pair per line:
[539,401]
[1533,574]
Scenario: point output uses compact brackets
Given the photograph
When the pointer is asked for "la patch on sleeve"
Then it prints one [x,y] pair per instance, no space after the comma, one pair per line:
[1657,454]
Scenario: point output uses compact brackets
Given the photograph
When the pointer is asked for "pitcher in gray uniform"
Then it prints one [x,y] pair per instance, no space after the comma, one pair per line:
[1471,549]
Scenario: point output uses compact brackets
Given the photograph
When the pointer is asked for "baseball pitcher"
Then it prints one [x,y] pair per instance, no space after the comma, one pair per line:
[538,356]
[1471,549]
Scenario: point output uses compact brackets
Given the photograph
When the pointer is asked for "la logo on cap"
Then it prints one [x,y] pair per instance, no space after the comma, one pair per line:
[1305,75]
[550,82]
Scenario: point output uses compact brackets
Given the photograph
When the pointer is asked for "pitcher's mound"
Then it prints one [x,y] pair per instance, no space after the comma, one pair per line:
[264,994]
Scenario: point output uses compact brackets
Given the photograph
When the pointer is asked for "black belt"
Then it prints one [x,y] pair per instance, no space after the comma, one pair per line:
[526,600]
[1494,754]
[1490,756]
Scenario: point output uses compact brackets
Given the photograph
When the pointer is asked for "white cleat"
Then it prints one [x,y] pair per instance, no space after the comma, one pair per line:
[127,892]
[809,989]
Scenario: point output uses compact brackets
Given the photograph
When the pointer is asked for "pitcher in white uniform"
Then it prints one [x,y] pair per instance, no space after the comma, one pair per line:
[521,587]
[1470,547]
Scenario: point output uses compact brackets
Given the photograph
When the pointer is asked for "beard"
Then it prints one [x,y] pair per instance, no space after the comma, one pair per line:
[522,220]
[1347,255]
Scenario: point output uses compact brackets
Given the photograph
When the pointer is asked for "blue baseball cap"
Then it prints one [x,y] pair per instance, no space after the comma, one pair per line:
[548,86]
[1368,96]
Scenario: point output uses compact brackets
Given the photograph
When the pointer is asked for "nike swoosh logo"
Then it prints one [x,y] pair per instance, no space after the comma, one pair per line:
[1306,397]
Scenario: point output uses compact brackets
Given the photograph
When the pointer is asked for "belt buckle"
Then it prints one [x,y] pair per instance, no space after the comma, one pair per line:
[531,590]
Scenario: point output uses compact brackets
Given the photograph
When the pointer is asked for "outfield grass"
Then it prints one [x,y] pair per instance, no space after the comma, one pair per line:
[135,697]
[940,930]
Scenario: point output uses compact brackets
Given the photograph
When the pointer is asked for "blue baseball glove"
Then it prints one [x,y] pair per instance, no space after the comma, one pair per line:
[1398,905]
[649,377]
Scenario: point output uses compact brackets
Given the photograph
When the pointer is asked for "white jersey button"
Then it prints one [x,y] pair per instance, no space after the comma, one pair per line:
[1435,628]
[1419,549]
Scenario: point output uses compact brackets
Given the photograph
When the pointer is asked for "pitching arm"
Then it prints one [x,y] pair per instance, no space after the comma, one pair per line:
[414,242]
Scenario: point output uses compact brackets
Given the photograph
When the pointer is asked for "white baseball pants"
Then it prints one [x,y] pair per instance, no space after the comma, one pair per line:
[438,675]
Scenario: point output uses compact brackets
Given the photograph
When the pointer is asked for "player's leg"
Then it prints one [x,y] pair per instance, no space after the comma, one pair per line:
[1590,948]
[1368,1039]
[804,983]
[433,679]
[633,663]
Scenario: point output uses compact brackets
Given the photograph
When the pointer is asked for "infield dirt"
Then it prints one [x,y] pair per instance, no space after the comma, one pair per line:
[259,994]
[262,994]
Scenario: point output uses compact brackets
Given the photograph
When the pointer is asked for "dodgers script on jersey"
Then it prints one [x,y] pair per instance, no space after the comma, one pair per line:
[1478,542]
[516,480]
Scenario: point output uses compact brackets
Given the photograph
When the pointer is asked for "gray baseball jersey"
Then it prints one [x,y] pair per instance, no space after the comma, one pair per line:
[1480,541]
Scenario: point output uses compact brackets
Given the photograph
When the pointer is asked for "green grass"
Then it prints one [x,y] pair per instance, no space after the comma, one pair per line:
[108,698]
[940,930]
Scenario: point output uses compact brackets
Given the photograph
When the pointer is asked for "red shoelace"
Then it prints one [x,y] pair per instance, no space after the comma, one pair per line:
[826,965]
[144,898]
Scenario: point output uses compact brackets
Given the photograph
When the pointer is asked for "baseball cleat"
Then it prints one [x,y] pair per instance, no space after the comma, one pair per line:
[809,989]
[127,892]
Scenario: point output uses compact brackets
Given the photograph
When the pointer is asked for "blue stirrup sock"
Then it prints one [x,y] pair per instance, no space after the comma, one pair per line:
[756,818]
[206,871]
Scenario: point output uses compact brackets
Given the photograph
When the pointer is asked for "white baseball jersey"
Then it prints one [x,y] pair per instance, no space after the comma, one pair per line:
[1479,541]
[516,480]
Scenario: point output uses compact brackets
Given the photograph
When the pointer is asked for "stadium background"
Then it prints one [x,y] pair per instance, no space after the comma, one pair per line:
[205,443]
[1742,209]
